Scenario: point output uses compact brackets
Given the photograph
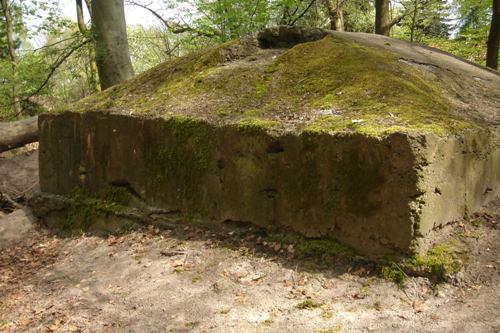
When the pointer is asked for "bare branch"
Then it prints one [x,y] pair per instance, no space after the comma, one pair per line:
[174,27]
[59,61]
[303,13]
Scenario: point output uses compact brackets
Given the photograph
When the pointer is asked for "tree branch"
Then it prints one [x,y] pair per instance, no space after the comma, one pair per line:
[303,13]
[59,61]
[174,27]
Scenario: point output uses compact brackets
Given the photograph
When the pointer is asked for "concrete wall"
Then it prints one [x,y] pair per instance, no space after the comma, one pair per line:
[375,195]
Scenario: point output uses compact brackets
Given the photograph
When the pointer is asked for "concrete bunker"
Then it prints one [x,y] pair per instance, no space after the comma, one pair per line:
[357,137]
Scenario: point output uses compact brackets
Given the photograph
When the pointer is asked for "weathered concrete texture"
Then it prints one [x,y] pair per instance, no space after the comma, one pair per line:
[457,175]
[358,137]
[376,195]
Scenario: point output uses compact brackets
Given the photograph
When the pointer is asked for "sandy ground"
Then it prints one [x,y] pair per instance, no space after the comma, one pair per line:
[231,279]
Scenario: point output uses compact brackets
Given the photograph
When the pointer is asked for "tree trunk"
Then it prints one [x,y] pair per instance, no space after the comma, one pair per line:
[494,37]
[111,45]
[79,17]
[382,17]
[336,14]
[12,52]
[18,133]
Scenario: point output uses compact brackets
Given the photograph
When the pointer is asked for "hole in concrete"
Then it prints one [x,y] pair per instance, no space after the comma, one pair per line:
[240,224]
[437,190]
[271,192]
[123,183]
[221,164]
[275,148]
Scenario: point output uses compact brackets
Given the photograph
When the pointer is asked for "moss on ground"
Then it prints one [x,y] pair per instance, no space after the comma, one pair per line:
[363,89]
[308,305]
[323,249]
[441,261]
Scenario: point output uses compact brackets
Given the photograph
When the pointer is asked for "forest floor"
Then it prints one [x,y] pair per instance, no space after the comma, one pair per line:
[231,279]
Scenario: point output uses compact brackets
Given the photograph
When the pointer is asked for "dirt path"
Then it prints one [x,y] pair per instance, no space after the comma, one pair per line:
[233,279]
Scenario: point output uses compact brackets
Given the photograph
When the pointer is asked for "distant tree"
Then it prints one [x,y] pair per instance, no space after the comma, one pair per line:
[494,37]
[425,19]
[358,15]
[111,44]
[9,28]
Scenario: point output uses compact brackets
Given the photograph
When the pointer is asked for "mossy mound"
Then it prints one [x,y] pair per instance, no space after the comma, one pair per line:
[323,82]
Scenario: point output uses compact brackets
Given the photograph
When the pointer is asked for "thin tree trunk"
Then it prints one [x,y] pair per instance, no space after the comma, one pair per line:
[494,37]
[92,69]
[12,52]
[111,45]
[93,79]
[18,133]
[382,17]
[413,20]
[335,14]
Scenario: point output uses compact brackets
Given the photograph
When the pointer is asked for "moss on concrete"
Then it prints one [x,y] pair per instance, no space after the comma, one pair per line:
[84,208]
[255,124]
[180,160]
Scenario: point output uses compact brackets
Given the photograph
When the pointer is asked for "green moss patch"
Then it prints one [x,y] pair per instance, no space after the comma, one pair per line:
[324,249]
[181,157]
[308,305]
[84,209]
[441,261]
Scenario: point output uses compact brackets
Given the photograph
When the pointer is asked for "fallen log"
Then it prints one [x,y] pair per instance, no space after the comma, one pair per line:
[18,133]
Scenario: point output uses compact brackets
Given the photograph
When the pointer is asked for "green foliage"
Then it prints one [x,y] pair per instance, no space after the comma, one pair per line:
[471,49]
[150,46]
[425,19]
[474,16]
[359,16]
[31,71]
